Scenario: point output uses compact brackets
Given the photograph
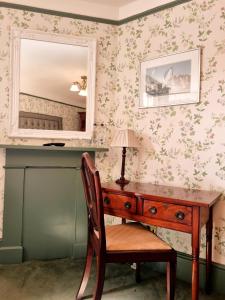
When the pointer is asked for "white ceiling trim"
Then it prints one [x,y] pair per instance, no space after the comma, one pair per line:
[75,7]
[139,6]
[117,3]
[110,10]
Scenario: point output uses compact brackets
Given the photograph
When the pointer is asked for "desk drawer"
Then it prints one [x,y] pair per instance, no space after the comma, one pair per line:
[119,203]
[168,212]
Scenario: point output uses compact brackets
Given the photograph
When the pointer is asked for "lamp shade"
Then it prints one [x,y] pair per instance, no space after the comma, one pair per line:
[83,93]
[75,87]
[125,138]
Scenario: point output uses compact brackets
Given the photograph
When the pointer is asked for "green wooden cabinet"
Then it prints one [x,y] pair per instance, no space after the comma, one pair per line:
[45,212]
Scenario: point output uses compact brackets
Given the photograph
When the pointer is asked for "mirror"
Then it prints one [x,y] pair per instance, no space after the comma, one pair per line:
[53,85]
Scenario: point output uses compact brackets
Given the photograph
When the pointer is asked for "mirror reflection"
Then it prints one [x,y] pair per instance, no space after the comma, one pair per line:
[53,85]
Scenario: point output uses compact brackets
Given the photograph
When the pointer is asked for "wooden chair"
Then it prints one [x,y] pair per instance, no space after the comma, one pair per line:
[130,242]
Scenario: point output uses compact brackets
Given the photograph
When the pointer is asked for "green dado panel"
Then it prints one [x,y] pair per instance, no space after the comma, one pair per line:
[45,212]
[11,244]
[49,213]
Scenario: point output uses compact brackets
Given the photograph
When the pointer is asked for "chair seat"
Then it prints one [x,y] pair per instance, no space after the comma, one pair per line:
[132,237]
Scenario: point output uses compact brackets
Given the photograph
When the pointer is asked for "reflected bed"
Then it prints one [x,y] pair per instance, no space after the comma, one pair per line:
[29,120]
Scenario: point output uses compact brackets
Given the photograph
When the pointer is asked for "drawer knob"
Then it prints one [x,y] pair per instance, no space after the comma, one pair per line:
[106,200]
[127,205]
[180,215]
[153,210]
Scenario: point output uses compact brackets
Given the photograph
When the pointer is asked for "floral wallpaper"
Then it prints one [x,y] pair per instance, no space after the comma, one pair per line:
[179,145]
[106,41]
[68,113]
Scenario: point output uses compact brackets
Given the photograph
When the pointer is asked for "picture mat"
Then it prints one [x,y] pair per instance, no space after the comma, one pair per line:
[190,61]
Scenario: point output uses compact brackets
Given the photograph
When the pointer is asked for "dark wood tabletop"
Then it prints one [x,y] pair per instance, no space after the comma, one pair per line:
[164,193]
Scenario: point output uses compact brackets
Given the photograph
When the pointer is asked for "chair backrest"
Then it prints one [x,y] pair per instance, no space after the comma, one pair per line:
[94,201]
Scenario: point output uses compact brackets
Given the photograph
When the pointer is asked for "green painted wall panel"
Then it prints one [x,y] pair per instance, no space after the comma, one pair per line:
[11,255]
[49,213]
[13,208]
[27,157]
[45,211]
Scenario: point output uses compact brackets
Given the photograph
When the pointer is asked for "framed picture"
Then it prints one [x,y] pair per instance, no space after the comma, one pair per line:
[170,80]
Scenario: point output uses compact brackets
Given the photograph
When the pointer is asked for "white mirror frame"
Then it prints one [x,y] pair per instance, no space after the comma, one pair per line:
[14,130]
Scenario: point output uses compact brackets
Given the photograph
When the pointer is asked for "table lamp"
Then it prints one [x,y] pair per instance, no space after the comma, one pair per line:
[124,138]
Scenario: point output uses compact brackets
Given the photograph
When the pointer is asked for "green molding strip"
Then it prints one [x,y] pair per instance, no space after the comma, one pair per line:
[184,270]
[54,148]
[152,11]
[56,13]
[89,18]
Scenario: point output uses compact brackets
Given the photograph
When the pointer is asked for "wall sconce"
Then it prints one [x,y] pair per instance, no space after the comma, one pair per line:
[80,87]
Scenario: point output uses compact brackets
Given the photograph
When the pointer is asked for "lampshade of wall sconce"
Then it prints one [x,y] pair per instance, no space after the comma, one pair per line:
[80,87]
[83,93]
[75,87]
[125,138]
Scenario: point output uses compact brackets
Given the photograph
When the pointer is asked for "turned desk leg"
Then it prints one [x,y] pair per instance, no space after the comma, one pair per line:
[209,226]
[195,252]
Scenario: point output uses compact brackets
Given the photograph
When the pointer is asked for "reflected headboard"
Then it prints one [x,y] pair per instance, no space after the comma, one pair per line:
[29,120]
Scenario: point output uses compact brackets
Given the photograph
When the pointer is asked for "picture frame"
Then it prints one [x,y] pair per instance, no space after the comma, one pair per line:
[170,80]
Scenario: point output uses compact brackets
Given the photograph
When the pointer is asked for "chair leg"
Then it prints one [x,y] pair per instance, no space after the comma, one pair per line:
[138,272]
[171,280]
[86,273]
[100,278]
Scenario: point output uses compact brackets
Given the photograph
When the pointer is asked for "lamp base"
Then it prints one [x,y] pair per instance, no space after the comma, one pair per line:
[122,181]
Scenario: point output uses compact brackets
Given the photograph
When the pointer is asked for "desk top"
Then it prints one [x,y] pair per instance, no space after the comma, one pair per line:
[163,193]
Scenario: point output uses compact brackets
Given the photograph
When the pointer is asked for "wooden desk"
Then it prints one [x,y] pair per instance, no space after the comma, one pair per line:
[168,207]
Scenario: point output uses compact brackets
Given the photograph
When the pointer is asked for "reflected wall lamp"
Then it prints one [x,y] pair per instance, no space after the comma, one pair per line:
[124,138]
[80,87]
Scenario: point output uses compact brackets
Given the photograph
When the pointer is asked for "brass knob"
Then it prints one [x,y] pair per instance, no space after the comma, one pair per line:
[106,200]
[127,205]
[153,210]
[180,215]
